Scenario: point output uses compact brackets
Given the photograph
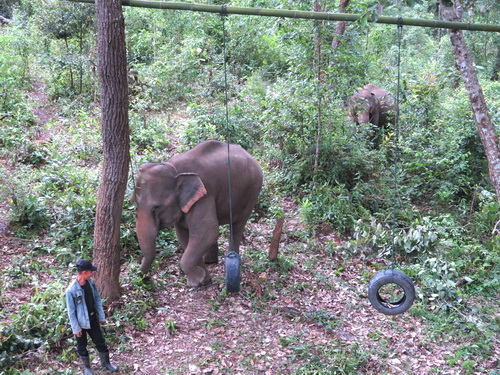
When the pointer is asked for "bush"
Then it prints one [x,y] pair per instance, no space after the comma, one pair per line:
[42,321]
[28,212]
[72,192]
[334,205]
[485,218]
[14,68]
[148,133]
[12,344]
[438,279]
[68,53]
[79,141]
[419,239]
[59,198]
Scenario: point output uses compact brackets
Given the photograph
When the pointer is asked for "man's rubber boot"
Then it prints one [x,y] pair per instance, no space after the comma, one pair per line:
[105,362]
[87,370]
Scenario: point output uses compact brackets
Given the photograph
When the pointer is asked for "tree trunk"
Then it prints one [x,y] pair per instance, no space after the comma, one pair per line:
[115,136]
[482,118]
[496,68]
[340,29]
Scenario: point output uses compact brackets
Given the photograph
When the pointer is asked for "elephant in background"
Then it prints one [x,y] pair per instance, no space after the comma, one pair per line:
[190,192]
[371,105]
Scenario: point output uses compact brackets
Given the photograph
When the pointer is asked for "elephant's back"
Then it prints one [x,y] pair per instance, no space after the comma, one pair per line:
[211,157]
[210,161]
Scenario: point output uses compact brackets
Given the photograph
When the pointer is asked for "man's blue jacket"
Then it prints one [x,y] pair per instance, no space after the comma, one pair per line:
[77,308]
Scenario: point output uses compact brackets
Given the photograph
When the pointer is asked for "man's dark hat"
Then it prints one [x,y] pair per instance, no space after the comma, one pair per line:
[85,265]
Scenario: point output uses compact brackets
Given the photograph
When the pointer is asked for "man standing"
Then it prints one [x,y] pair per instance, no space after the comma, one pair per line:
[85,312]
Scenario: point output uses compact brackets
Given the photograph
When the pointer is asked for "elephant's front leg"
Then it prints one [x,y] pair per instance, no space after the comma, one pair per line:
[182,236]
[203,229]
[211,255]
[195,270]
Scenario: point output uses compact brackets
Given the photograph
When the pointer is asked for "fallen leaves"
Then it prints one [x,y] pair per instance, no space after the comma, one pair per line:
[277,323]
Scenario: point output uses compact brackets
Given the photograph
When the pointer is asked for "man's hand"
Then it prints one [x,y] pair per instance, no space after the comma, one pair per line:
[79,334]
[102,322]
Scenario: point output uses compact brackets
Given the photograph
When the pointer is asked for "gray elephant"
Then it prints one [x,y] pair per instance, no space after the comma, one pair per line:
[190,192]
[371,104]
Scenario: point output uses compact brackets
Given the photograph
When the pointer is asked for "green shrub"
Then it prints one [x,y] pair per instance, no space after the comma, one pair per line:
[73,193]
[28,215]
[67,29]
[45,316]
[42,321]
[485,218]
[14,68]
[442,167]
[480,263]
[13,344]
[334,205]
[148,133]
[28,212]
[79,140]
[420,238]
[438,283]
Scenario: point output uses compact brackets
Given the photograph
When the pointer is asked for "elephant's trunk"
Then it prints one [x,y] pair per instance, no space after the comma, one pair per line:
[146,230]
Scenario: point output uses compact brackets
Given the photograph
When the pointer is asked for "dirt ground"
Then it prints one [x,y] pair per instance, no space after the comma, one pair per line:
[311,307]
[277,323]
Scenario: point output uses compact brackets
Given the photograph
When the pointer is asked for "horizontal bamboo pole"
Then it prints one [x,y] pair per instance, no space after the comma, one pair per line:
[300,14]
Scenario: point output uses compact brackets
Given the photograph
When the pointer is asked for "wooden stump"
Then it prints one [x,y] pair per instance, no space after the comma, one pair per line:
[275,242]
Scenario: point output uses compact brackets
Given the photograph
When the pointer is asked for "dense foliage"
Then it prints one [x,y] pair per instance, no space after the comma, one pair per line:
[444,206]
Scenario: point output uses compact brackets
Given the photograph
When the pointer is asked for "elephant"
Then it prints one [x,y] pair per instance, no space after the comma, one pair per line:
[190,192]
[371,105]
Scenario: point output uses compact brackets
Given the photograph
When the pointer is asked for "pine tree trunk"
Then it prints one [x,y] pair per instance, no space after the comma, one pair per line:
[115,136]
[465,64]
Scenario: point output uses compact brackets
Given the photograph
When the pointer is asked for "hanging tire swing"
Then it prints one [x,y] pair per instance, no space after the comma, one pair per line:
[232,259]
[233,272]
[391,292]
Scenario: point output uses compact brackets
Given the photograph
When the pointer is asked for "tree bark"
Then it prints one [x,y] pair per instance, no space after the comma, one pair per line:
[340,29]
[496,68]
[275,242]
[115,136]
[465,64]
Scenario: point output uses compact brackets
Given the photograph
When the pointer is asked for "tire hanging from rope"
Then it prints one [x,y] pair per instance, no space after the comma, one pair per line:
[232,260]
[393,300]
[382,279]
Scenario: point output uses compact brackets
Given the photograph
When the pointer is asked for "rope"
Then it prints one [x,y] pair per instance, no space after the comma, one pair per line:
[319,93]
[396,146]
[223,14]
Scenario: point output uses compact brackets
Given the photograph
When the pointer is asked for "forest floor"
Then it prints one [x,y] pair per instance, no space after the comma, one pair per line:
[306,313]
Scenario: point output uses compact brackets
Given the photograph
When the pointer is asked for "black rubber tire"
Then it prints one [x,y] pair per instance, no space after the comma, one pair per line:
[233,272]
[391,277]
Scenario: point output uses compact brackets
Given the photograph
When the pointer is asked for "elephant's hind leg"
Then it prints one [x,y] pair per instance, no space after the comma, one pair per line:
[238,229]
[212,255]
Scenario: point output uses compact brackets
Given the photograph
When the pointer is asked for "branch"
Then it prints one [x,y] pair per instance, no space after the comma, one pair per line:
[4,20]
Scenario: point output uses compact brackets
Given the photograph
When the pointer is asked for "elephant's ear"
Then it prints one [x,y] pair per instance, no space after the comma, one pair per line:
[190,189]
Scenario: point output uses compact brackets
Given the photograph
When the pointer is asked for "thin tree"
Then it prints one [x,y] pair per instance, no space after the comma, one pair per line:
[318,6]
[340,29]
[115,137]
[452,11]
